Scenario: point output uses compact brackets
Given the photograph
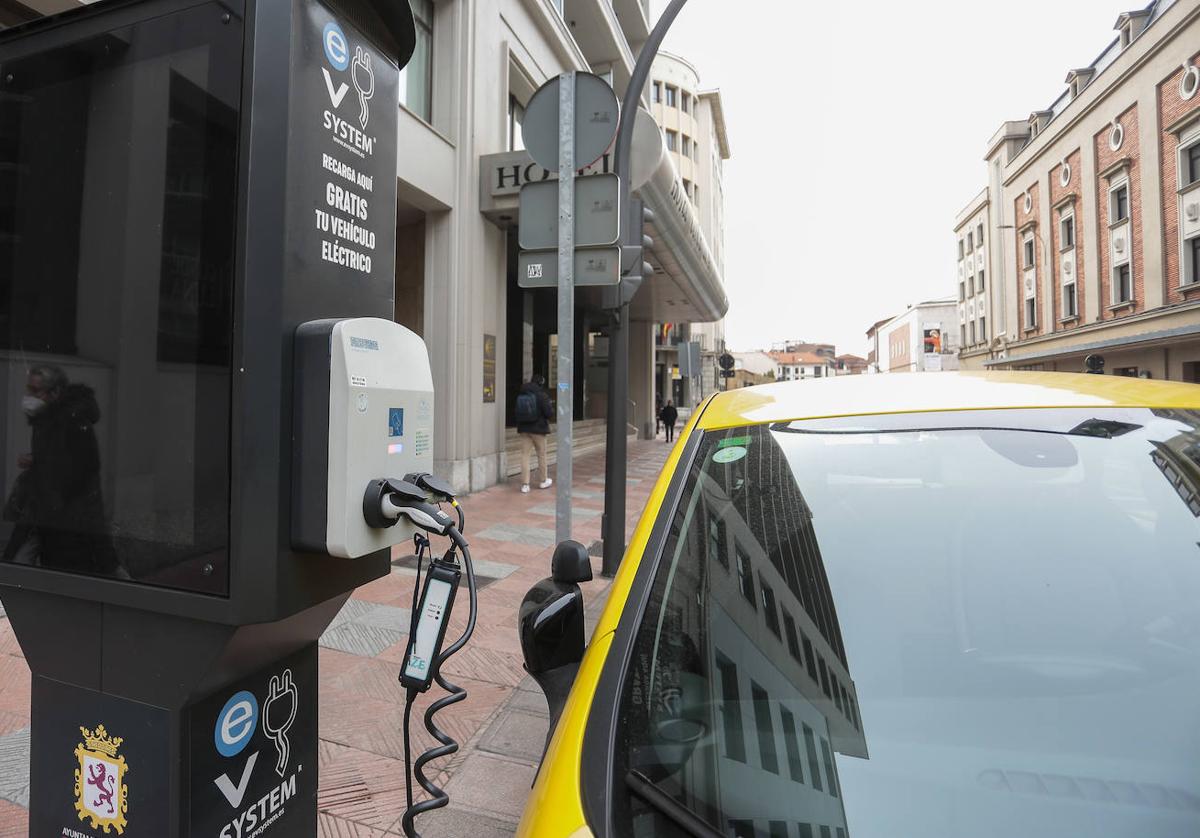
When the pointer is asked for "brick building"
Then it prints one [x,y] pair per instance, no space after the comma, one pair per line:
[1086,238]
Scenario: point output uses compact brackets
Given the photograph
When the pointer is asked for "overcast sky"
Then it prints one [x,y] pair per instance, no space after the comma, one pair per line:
[857,132]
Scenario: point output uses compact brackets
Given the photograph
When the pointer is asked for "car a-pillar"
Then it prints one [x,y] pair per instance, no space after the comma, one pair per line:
[219,174]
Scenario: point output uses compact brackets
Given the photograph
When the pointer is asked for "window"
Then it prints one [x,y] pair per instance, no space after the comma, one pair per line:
[810,662]
[745,574]
[1120,203]
[770,609]
[695,191]
[672,140]
[656,92]
[979,235]
[962,291]
[830,774]
[716,542]
[1031,313]
[970,242]
[1070,303]
[685,101]
[1029,255]
[791,741]
[806,830]
[1122,284]
[672,96]
[743,829]
[979,284]
[810,748]
[971,329]
[1193,251]
[685,147]
[416,79]
[1192,167]
[1066,231]
[824,676]
[793,641]
[731,710]
[766,730]
[962,334]
[516,118]
[779,829]
[961,251]
[817,371]
[983,335]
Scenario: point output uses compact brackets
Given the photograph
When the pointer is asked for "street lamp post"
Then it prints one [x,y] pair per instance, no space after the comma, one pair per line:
[618,299]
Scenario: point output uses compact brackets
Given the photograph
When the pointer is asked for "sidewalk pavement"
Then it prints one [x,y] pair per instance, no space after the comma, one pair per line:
[501,725]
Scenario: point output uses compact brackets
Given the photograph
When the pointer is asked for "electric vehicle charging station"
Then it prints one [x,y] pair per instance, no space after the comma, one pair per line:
[197,224]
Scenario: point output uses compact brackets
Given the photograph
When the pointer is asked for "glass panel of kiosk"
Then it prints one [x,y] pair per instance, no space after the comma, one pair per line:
[116,298]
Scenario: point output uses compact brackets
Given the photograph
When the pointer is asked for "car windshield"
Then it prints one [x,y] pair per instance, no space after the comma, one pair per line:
[946,624]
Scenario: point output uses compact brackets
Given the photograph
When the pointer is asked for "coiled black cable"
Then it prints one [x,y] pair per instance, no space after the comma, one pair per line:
[438,797]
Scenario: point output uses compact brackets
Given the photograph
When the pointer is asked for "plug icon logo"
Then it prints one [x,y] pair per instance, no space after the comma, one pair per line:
[364,82]
[278,715]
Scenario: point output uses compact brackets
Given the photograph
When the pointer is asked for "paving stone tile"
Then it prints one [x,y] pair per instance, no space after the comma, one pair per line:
[516,735]
[360,639]
[457,822]
[354,607]
[536,536]
[14,767]
[387,617]
[578,513]
[490,784]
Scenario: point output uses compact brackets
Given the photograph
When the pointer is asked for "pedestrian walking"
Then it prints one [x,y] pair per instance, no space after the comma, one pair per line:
[657,413]
[669,416]
[532,412]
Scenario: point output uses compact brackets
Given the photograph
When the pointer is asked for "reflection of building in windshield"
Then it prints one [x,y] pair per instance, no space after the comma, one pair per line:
[781,680]
[1179,461]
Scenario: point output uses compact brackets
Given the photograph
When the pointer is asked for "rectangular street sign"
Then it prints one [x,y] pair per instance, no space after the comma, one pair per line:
[593,266]
[597,213]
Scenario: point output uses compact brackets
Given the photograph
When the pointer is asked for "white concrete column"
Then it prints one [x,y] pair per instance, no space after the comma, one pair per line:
[1089,210]
[641,377]
[1153,258]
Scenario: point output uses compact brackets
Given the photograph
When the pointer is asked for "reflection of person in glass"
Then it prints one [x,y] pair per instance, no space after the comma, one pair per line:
[56,501]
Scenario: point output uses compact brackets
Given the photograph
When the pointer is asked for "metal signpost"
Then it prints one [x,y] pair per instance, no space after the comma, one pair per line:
[566,304]
[580,111]
[613,526]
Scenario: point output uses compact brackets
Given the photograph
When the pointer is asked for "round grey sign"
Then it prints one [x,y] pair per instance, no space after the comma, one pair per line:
[596,118]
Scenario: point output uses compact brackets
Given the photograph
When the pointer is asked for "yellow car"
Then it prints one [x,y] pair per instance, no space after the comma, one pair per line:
[954,605]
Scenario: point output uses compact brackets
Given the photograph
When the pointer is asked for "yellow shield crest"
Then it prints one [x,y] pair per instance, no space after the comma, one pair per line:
[100,791]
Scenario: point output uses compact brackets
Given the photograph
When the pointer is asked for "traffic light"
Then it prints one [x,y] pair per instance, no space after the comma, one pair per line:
[634,267]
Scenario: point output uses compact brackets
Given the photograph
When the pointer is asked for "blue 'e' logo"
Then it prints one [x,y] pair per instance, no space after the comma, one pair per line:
[235,724]
[336,48]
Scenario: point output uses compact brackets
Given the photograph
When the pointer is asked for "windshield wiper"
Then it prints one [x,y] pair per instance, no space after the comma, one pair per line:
[683,817]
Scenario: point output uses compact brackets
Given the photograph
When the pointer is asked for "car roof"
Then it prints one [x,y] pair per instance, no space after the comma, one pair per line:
[865,395]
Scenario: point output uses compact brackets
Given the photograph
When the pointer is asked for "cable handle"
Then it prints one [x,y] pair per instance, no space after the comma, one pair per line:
[438,797]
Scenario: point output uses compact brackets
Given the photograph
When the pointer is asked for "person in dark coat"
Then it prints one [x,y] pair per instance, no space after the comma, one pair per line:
[669,416]
[533,414]
[56,501]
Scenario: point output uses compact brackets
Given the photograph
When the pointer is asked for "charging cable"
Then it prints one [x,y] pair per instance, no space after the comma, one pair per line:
[386,502]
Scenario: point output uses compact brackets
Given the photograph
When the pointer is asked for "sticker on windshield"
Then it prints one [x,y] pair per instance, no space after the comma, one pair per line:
[729,455]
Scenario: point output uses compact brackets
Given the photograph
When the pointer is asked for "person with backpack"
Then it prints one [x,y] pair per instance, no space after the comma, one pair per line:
[533,412]
[669,416]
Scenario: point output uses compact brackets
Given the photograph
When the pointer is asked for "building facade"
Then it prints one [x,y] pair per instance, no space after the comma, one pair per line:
[1086,238]
[693,123]
[922,339]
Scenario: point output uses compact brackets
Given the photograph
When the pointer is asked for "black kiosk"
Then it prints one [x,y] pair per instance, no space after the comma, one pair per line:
[183,183]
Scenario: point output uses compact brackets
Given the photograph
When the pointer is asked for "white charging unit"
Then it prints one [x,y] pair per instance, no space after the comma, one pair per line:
[363,412]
